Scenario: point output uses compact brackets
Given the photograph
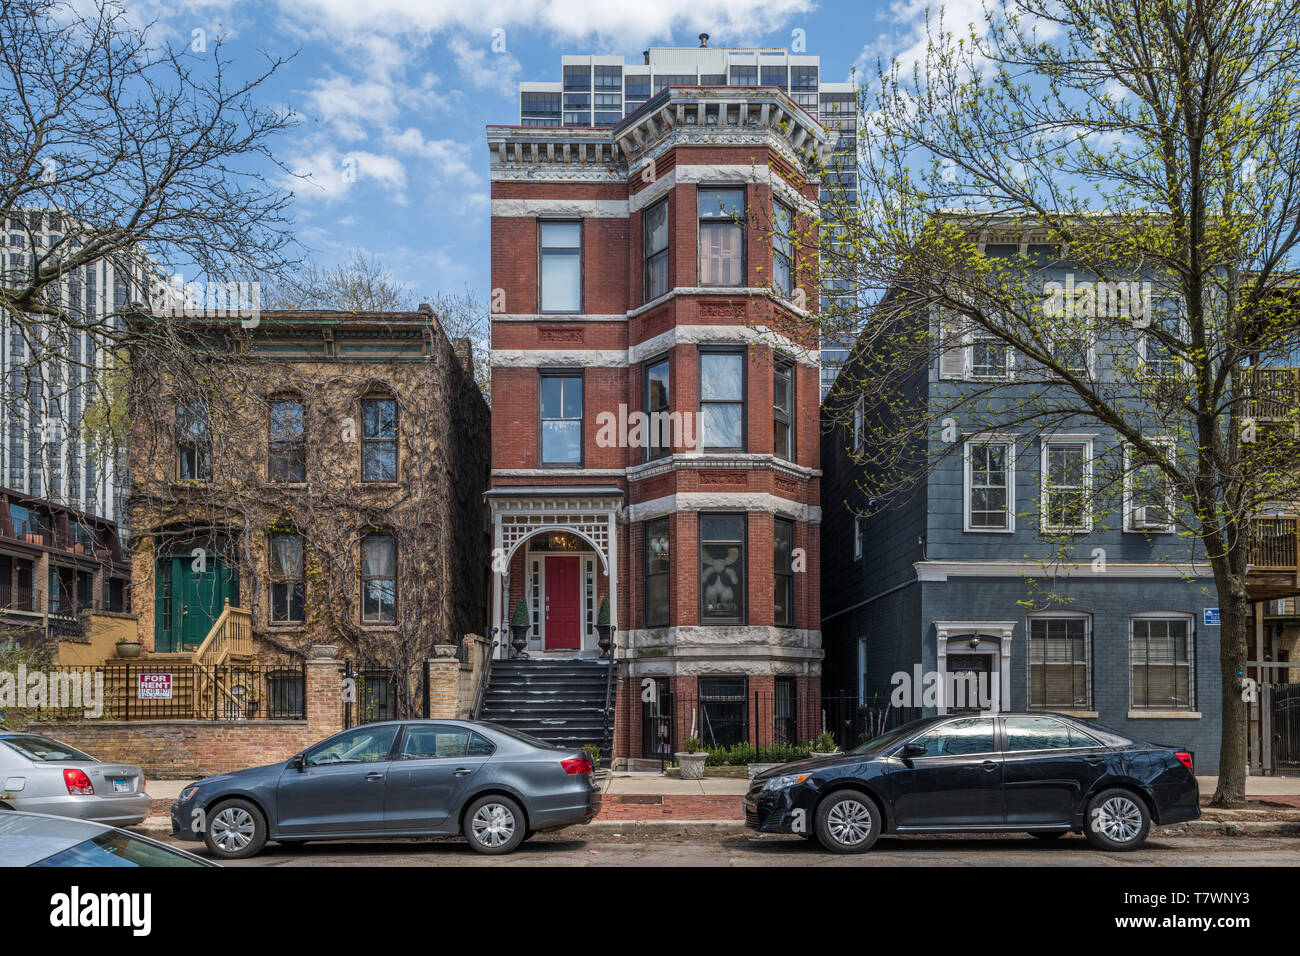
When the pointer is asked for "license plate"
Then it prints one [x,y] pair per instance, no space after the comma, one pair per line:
[121,785]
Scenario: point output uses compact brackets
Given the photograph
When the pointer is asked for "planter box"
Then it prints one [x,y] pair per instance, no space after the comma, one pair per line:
[692,765]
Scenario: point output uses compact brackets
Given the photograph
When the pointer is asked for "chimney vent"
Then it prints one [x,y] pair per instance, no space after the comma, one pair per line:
[704,40]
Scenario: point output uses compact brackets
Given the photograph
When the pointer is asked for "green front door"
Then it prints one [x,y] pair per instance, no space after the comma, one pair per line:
[189,597]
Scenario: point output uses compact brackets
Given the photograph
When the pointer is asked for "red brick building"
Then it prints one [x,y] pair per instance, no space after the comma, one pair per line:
[661,268]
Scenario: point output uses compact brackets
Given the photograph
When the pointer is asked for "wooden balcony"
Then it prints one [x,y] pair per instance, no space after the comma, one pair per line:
[1272,393]
[1274,568]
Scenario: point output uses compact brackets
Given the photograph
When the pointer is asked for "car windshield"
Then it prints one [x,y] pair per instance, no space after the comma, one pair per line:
[117,849]
[36,747]
[533,741]
[877,744]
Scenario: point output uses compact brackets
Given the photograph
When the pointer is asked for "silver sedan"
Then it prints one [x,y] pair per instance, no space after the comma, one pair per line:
[41,775]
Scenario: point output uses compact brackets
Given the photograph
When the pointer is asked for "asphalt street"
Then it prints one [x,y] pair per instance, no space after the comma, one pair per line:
[569,848]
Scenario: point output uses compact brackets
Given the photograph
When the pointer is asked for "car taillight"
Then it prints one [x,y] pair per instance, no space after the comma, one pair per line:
[78,783]
[1184,758]
[577,765]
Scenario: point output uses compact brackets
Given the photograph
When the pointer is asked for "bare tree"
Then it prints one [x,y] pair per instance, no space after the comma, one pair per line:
[121,159]
[1153,147]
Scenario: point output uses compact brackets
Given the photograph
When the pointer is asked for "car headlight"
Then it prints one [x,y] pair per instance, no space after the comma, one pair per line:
[785,781]
[189,791]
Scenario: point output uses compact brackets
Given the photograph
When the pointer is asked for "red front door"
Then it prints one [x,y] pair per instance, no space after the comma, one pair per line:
[563,604]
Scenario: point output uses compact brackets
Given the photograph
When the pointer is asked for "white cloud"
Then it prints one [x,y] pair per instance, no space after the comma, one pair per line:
[329,174]
[627,22]
[449,158]
[484,69]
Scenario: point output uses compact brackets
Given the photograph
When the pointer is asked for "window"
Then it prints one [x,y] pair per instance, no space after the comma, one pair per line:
[1148,493]
[285,693]
[783,566]
[990,357]
[722,401]
[775,76]
[609,78]
[1066,491]
[744,76]
[783,410]
[803,78]
[378,579]
[193,442]
[561,269]
[1161,659]
[363,745]
[577,78]
[378,439]
[722,569]
[862,671]
[722,237]
[859,424]
[785,710]
[990,488]
[724,703]
[656,573]
[287,580]
[657,397]
[654,225]
[288,460]
[969,735]
[433,741]
[561,418]
[783,250]
[1159,359]
[1059,663]
[1071,346]
[859,535]
[1043,733]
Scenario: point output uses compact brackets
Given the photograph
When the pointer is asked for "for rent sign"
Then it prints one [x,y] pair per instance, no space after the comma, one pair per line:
[154,687]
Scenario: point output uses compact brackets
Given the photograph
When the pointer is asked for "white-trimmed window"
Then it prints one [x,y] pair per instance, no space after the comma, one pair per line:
[990,485]
[990,357]
[1148,493]
[1162,662]
[1071,345]
[969,352]
[859,533]
[1066,490]
[1060,662]
[1158,359]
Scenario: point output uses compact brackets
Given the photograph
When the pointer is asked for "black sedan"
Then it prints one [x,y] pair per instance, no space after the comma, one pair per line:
[1045,774]
[400,778]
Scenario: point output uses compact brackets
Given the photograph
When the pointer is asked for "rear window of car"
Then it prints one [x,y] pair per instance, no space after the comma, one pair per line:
[117,849]
[36,747]
[521,737]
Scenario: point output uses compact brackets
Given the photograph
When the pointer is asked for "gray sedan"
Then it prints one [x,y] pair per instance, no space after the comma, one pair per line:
[494,785]
[42,775]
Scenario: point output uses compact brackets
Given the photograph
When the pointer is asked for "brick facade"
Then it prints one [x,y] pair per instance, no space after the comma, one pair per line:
[601,505]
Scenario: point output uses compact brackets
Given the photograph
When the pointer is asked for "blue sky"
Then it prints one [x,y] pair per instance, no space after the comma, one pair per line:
[398,92]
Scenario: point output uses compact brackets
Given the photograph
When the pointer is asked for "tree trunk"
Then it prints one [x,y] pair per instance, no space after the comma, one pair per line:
[1235,611]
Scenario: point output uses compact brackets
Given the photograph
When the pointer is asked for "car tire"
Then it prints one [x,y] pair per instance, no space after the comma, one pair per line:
[494,825]
[847,821]
[1047,835]
[1117,820]
[235,829]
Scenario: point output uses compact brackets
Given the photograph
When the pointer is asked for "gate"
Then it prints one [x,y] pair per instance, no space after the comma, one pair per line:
[1285,736]
[657,724]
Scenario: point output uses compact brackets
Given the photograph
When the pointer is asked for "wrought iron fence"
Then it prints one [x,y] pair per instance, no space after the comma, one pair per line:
[758,727]
[174,691]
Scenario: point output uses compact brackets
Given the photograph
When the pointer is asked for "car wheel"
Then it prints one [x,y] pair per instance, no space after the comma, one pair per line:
[495,825]
[847,821]
[235,829]
[1047,835]
[1117,820]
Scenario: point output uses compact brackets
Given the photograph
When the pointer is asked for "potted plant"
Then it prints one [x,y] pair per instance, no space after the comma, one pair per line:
[825,745]
[520,622]
[691,760]
[602,627]
[127,649]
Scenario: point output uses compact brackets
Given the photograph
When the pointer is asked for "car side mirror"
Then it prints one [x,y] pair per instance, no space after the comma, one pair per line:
[913,749]
[299,762]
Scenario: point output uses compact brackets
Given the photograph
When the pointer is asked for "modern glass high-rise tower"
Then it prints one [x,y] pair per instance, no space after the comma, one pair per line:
[601,90]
